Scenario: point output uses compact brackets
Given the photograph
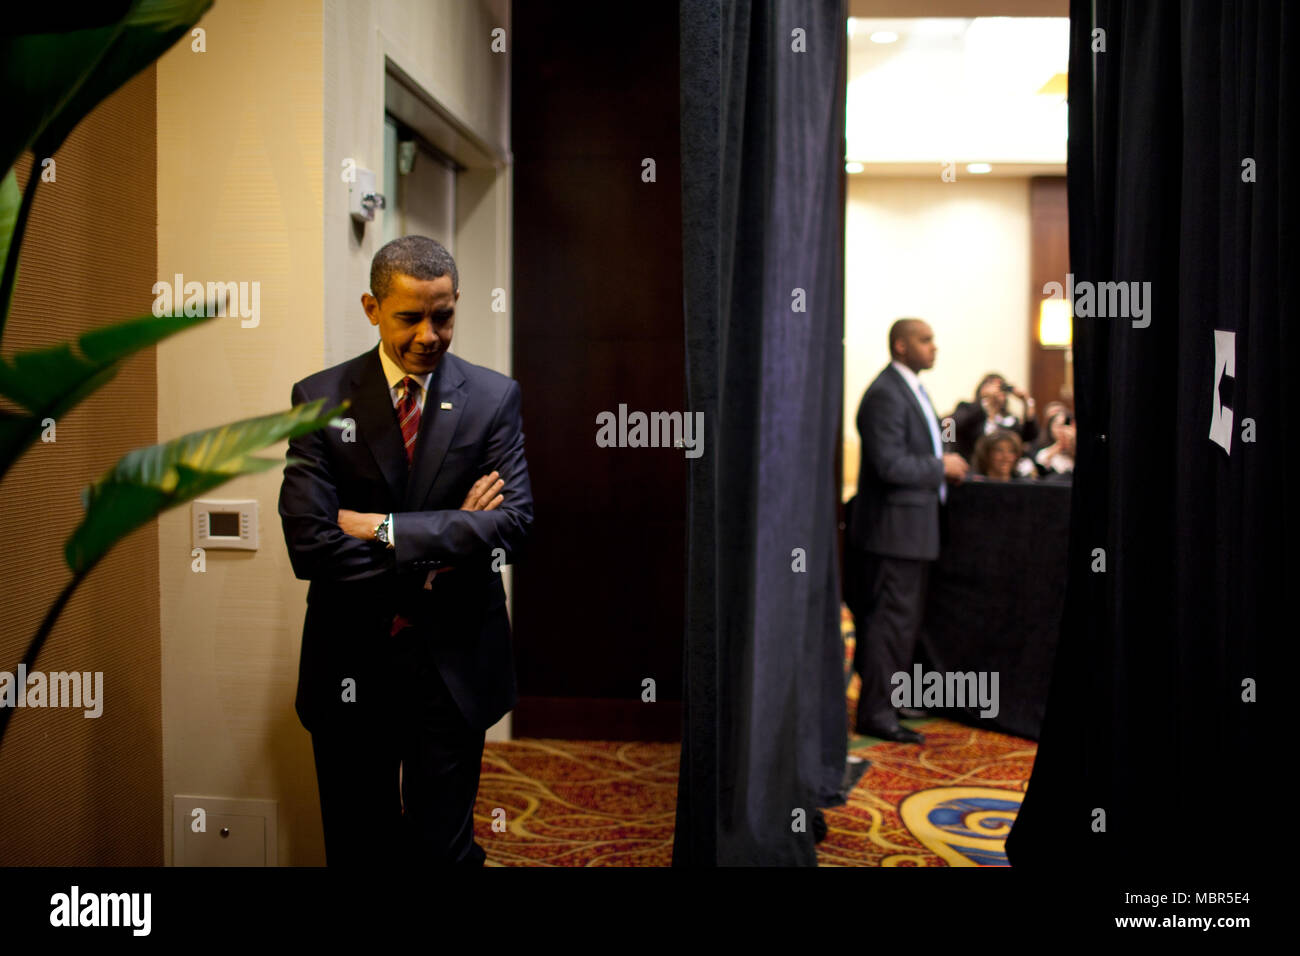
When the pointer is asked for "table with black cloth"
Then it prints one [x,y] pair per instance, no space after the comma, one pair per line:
[996,594]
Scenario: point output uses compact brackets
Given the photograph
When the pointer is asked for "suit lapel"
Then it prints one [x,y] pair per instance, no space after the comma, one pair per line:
[443,408]
[914,401]
[377,423]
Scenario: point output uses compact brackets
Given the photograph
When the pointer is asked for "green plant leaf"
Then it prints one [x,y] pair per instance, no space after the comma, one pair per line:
[39,73]
[148,481]
[52,80]
[18,432]
[11,197]
[11,200]
[150,30]
[36,377]
[47,383]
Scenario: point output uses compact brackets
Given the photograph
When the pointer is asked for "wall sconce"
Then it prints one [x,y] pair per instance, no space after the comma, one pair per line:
[405,156]
[1055,324]
[362,198]
[1056,331]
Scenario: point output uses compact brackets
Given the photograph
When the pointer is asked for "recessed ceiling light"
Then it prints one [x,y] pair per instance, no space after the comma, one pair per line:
[853,167]
[978,168]
[884,36]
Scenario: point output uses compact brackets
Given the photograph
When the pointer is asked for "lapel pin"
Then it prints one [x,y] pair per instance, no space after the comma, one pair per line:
[445,405]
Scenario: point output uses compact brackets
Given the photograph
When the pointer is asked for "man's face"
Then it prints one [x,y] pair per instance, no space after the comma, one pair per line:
[415,320]
[916,349]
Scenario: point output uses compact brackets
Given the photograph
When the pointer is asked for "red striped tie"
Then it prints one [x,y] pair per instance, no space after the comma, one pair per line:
[408,413]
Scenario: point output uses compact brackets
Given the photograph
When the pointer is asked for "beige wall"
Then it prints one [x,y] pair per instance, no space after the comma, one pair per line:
[78,791]
[445,47]
[955,254]
[240,199]
[425,37]
[251,136]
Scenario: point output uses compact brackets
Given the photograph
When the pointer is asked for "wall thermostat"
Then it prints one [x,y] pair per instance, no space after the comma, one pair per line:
[228,524]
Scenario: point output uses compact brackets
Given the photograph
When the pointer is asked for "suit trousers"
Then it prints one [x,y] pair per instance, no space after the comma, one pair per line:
[892,595]
[428,819]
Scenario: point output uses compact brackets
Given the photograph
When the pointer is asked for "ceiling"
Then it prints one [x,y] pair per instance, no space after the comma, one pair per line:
[959,8]
[960,90]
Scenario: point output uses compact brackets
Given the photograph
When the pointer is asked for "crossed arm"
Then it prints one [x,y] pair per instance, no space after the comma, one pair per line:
[332,543]
[483,496]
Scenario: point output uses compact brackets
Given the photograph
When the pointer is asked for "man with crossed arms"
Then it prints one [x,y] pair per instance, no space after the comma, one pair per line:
[402,523]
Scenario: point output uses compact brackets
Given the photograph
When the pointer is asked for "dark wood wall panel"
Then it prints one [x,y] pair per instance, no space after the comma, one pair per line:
[598,602]
[77,790]
[1049,262]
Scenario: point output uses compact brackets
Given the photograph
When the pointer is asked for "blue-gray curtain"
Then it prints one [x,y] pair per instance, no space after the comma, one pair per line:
[1182,136]
[765,735]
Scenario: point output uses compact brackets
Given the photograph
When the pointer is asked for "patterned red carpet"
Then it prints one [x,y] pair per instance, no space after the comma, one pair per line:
[574,803]
[948,803]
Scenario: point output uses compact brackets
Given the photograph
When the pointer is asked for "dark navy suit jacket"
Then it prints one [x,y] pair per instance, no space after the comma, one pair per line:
[896,513]
[470,426]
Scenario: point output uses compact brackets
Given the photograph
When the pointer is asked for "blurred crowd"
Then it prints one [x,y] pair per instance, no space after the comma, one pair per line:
[1002,442]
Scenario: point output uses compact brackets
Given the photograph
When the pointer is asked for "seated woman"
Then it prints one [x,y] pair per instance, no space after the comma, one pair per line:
[1044,438]
[990,413]
[998,457]
[1057,458]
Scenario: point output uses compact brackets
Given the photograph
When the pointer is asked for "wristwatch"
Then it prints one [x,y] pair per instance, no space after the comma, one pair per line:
[384,532]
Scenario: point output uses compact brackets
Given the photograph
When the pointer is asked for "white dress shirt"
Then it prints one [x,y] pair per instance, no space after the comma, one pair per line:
[394,374]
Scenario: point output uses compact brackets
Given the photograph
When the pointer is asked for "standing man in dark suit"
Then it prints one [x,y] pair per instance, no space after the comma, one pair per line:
[402,521]
[902,482]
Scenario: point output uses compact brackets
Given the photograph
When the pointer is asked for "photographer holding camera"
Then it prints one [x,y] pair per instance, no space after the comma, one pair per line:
[989,413]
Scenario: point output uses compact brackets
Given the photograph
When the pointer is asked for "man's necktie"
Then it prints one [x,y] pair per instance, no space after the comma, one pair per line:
[408,413]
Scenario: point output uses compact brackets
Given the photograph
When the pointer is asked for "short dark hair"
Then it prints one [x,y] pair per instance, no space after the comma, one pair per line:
[416,256]
[901,329]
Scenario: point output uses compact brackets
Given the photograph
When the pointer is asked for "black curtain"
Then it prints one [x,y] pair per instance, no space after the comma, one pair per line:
[1181,136]
[762,128]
